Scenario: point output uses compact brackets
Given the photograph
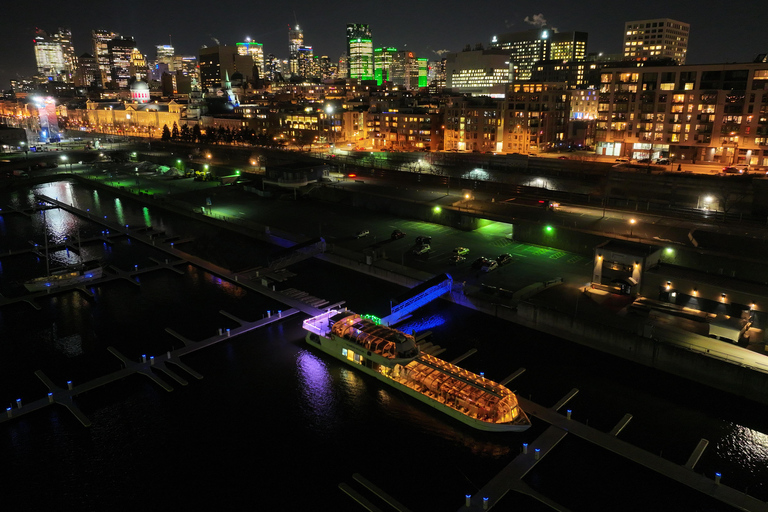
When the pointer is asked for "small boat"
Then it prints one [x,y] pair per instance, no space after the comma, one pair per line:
[394,358]
[69,276]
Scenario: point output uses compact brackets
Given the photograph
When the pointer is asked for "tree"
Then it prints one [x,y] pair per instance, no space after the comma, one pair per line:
[175,131]
[186,136]
[166,134]
[305,138]
[196,134]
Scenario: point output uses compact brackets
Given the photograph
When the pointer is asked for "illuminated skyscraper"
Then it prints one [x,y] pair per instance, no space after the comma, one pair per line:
[255,50]
[360,51]
[55,55]
[295,41]
[120,59]
[87,71]
[530,46]
[101,39]
[656,39]
[383,61]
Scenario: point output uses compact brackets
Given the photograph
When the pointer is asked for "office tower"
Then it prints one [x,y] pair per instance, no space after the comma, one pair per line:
[55,55]
[218,61]
[306,64]
[186,64]
[87,72]
[656,39]
[530,46]
[479,72]
[138,68]
[383,61]
[295,41]
[360,51]
[271,67]
[101,39]
[164,54]
[255,50]
[120,59]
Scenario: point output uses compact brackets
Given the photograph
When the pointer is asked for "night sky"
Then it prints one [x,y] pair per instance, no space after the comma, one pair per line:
[720,32]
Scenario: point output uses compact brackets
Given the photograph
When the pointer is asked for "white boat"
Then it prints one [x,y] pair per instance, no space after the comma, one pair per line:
[70,276]
[393,357]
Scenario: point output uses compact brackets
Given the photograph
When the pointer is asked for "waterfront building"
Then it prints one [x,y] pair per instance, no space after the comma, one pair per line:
[528,47]
[478,72]
[538,114]
[360,51]
[704,113]
[101,39]
[474,124]
[404,129]
[295,41]
[656,38]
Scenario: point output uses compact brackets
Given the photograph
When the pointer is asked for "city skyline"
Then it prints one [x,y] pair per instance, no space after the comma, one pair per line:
[729,37]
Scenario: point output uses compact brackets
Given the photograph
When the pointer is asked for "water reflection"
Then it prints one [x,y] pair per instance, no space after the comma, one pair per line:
[119,211]
[423,324]
[316,388]
[745,445]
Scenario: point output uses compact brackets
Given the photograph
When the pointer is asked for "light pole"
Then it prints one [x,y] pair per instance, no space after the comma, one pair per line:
[65,159]
[329,112]
[631,225]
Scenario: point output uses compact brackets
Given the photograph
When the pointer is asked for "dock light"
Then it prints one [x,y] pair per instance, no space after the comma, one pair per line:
[669,285]
[485,503]
[50,398]
[537,453]
[9,412]
[468,499]
[437,209]
[568,413]
[18,403]
[549,229]
[717,477]
[752,306]
[466,196]
[695,292]
[525,448]
[722,297]
[669,250]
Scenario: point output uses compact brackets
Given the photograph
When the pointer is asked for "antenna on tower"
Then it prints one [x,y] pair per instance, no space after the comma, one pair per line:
[170,40]
[294,17]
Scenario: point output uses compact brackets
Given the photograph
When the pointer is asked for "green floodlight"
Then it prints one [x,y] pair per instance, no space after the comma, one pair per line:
[549,229]
[437,209]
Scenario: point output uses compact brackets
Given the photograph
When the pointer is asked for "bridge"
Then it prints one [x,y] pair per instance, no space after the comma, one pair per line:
[417,297]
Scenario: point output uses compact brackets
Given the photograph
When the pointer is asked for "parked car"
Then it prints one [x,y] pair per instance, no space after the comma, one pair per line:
[480,262]
[461,251]
[503,259]
[662,161]
[362,233]
[456,259]
[397,234]
[489,266]
[423,249]
[423,239]
[731,170]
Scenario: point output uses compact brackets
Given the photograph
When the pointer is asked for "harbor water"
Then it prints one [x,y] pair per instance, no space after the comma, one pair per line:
[276,425]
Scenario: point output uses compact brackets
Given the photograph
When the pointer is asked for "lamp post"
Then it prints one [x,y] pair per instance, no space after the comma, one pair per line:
[329,112]
[631,225]
[65,159]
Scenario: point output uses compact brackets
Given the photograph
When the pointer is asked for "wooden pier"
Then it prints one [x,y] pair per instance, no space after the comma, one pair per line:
[147,366]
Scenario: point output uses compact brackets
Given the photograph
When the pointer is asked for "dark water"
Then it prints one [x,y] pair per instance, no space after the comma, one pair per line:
[275,425]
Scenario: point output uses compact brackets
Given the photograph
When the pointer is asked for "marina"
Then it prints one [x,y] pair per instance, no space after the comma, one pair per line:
[497,494]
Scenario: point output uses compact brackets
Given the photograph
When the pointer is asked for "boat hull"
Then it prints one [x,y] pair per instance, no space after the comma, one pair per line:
[60,281]
[332,348]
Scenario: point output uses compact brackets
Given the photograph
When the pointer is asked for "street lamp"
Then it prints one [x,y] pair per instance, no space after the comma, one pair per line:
[329,111]
[65,159]
[631,225]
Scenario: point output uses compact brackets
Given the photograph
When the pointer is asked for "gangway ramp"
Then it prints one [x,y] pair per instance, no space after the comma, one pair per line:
[417,297]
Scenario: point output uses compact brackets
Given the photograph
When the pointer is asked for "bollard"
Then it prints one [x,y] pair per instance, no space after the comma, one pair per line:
[525,448]
[221,331]
[467,500]
[50,398]
[151,360]
[69,385]
[717,478]
[269,314]
[537,452]
[9,412]
[227,333]
[569,413]
[18,403]
[485,503]
[168,354]
[143,358]
[279,313]
[235,278]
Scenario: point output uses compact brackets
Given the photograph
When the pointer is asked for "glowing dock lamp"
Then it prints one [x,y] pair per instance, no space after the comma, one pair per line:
[723,297]
[549,230]
[717,477]
[669,285]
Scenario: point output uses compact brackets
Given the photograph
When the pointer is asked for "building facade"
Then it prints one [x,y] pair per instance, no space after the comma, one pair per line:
[528,47]
[55,55]
[360,51]
[655,39]
[295,41]
[101,39]
[704,113]
[478,72]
